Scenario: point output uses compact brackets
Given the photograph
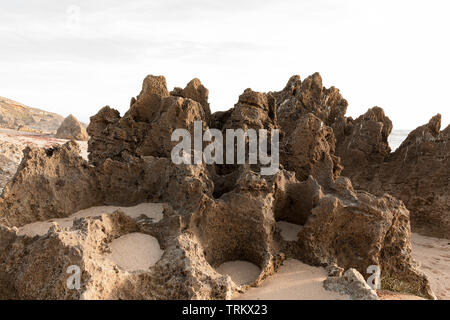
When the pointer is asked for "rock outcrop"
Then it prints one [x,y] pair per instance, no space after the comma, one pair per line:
[72,129]
[416,173]
[49,183]
[309,96]
[215,213]
[10,158]
[351,283]
[145,130]
[14,115]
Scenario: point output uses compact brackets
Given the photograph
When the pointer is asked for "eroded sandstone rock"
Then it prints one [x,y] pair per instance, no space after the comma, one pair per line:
[213,215]
[351,283]
[309,150]
[70,129]
[309,96]
[49,183]
[416,173]
[145,130]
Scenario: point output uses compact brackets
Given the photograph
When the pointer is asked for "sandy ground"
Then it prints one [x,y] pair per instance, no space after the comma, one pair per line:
[241,272]
[151,210]
[288,230]
[135,251]
[389,295]
[433,257]
[38,140]
[293,281]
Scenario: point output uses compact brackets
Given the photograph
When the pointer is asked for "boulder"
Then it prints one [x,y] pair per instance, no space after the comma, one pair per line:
[351,283]
[72,129]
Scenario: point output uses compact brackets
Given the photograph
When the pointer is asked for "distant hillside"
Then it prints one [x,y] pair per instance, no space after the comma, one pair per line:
[14,115]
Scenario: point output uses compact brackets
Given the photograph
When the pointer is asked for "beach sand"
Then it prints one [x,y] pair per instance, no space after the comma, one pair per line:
[294,280]
[433,257]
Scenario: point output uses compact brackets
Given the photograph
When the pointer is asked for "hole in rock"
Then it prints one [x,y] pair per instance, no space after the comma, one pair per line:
[224,184]
[241,272]
[221,189]
[297,204]
[135,251]
[225,169]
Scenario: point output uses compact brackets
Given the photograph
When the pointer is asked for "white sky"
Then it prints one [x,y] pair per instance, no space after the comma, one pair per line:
[394,54]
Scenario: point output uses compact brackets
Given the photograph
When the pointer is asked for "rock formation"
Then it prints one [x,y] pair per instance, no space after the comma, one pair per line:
[14,115]
[214,213]
[351,283]
[10,157]
[416,173]
[72,129]
[145,130]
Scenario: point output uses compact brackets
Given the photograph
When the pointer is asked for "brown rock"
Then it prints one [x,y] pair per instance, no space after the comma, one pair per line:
[299,98]
[146,129]
[14,115]
[212,216]
[309,150]
[70,129]
[353,229]
[416,173]
[363,142]
[49,183]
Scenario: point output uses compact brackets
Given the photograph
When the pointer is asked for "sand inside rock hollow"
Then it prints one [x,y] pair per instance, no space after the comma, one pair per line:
[151,210]
[288,231]
[135,251]
[241,272]
[131,252]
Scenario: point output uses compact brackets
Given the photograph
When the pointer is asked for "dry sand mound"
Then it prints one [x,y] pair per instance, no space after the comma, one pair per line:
[135,251]
[293,281]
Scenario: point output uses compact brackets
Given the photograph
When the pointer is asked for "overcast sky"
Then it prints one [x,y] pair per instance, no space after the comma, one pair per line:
[78,56]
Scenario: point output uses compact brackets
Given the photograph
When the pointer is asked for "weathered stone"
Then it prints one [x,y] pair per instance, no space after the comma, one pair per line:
[146,129]
[49,183]
[213,215]
[351,283]
[353,229]
[309,150]
[416,173]
[299,98]
[72,129]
